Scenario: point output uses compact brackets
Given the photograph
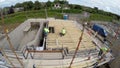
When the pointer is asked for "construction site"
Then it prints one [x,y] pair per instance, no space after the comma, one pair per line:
[27,46]
[58,35]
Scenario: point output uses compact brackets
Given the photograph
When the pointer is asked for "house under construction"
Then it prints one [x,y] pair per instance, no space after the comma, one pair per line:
[78,48]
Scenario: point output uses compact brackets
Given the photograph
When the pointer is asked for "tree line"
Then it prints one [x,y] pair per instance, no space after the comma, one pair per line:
[29,5]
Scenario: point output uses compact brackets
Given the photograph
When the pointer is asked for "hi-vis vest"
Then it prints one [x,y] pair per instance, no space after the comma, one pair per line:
[46,30]
[63,31]
[104,49]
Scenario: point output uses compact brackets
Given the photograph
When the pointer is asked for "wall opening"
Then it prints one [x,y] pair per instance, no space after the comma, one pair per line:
[51,30]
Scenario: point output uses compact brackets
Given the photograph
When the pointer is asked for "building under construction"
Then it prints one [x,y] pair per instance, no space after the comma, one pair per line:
[27,47]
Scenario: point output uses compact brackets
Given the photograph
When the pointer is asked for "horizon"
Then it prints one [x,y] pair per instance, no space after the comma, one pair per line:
[109,6]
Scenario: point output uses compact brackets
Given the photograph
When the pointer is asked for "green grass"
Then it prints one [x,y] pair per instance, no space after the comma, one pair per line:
[100,17]
[20,17]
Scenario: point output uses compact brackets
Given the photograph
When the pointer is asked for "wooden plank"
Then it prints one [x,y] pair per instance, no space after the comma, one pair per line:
[71,38]
[46,51]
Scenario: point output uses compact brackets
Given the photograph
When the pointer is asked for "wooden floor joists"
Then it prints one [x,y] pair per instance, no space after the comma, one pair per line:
[70,40]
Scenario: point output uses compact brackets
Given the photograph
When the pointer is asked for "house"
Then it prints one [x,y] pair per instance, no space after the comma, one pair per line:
[57,6]
[18,9]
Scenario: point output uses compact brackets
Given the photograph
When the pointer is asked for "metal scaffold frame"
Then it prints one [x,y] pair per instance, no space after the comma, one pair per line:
[6,57]
[10,44]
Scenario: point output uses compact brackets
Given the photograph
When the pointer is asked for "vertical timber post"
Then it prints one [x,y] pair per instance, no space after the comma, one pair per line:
[77,47]
[10,44]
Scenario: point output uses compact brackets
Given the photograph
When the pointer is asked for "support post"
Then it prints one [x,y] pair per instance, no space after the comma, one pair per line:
[10,44]
[77,48]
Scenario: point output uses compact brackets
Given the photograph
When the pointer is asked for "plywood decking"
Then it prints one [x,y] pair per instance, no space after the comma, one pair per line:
[70,40]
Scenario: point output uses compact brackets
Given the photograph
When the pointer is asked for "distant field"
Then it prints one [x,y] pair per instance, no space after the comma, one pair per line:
[100,17]
[13,20]
[19,17]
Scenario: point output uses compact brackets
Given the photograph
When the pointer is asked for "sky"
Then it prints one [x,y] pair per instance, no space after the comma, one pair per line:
[107,5]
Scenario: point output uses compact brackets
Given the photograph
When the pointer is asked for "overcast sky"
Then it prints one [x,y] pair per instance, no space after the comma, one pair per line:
[107,5]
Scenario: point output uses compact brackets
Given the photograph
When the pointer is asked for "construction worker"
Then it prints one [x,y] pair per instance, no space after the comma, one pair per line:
[104,49]
[63,32]
[102,52]
[46,31]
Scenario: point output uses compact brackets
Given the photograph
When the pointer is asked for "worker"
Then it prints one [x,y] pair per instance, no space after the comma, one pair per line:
[46,31]
[102,51]
[63,32]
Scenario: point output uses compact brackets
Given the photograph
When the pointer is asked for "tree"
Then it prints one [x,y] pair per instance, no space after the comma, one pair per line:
[71,6]
[37,5]
[11,10]
[56,1]
[49,4]
[18,5]
[28,5]
[61,1]
[77,7]
[95,9]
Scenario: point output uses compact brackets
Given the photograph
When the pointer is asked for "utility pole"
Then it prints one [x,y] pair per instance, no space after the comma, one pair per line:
[77,47]
[46,11]
[10,44]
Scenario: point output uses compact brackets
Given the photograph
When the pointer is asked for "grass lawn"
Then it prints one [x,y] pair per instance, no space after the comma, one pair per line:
[20,17]
[13,20]
[100,17]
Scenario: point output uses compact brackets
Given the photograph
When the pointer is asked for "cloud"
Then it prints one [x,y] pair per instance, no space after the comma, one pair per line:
[107,5]
[108,8]
[9,2]
[2,0]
